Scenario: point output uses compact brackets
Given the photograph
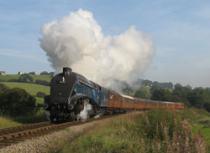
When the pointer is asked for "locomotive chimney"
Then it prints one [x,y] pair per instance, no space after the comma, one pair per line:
[66,71]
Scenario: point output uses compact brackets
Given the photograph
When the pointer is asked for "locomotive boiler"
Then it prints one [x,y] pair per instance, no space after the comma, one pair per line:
[73,97]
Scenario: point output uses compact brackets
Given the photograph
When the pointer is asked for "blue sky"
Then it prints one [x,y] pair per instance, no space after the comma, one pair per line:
[180,30]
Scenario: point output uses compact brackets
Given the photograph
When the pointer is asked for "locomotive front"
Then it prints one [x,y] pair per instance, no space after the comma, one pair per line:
[71,97]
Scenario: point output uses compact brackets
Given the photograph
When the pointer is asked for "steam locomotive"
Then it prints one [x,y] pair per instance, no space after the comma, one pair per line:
[73,97]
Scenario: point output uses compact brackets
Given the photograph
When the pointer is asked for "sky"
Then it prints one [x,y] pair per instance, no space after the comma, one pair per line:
[179,29]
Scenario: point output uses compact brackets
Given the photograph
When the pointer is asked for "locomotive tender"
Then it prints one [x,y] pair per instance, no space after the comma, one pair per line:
[73,97]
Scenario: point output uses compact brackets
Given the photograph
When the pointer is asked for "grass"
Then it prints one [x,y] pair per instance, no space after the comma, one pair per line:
[8,77]
[195,115]
[7,122]
[153,132]
[200,122]
[204,131]
[42,77]
[30,88]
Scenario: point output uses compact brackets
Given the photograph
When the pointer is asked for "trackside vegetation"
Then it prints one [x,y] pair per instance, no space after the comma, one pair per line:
[152,132]
[7,122]
[17,105]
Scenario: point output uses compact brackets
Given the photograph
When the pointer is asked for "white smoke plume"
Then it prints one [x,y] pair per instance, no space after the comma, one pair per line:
[84,114]
[77,41]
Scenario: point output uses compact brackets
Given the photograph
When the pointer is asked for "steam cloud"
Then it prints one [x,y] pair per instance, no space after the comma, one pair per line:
[77,41]
[84,114]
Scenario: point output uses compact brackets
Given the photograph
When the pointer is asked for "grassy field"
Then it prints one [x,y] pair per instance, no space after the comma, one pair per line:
[9,77]
[42,77]
[200,121]
[30,88]
[7,122]
[152,132]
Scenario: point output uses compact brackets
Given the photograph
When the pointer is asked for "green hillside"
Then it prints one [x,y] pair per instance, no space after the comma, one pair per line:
[10,77]
[7,122]
[42,77]
[30,88]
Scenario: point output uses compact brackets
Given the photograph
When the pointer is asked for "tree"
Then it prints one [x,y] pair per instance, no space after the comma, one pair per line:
[147,83]
[44,73]
[32,73]
[25,78]
[162,85]
[51,73]
[3,88]
[181,93]
[143,92]
[161,94]
[199,97]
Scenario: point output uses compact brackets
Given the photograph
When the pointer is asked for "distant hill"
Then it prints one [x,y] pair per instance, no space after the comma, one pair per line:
[14,77]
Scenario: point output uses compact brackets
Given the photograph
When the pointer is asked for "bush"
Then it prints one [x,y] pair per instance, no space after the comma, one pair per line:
[3,88]
[16,102]
[39,116]
[143,92]
[25,78]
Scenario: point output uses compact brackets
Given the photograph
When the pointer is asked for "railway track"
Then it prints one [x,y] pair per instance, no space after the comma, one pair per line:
[22,128]
[9,136]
